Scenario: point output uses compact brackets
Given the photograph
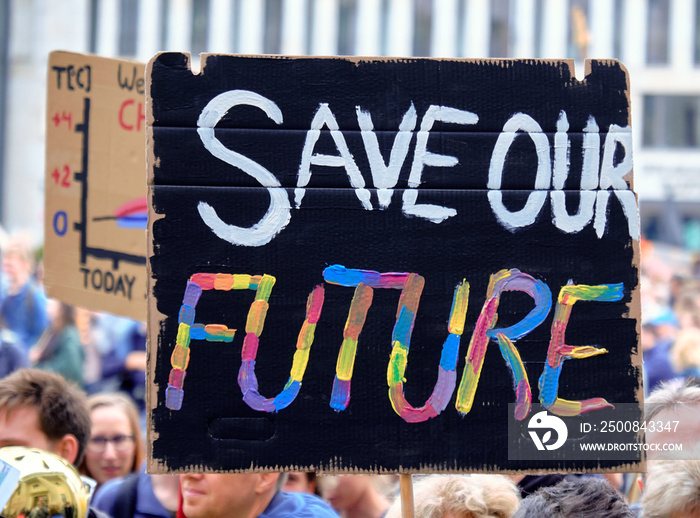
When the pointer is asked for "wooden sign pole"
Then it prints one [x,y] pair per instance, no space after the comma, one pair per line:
[406,488]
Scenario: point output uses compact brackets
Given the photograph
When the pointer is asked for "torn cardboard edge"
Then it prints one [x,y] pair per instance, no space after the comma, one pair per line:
[160,464]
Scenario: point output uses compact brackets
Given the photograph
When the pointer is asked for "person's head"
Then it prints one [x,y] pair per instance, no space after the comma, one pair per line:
[687,309]
[685,351]
[17,260]
[677,283]
[648,337]
[460,496]
[672,396]
[60,314]
[672,489]
[585,497]
[40,409]
[115,447]
[351,493]
[674,401]
[301,482]
[665,325]
[219,495]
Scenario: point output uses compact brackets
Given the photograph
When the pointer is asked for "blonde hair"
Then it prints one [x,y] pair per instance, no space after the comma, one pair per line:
[124,402]
[671,486]
[19,246]
[685,351]
[475,496]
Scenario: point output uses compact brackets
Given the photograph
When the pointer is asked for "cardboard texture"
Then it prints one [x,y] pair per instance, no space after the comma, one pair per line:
[334,212]
[96,212]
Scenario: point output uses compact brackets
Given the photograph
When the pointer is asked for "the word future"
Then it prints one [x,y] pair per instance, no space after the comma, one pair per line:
[599,178]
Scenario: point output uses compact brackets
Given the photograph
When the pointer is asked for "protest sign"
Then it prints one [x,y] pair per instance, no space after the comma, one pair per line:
[95,220]
[311,219]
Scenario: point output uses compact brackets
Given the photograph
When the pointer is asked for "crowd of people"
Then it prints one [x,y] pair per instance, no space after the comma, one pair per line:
[72,382]
[670,334]
[99,352]
[99,435]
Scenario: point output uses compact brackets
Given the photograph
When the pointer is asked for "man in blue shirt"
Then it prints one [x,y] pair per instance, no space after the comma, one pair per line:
[139,495]
[246,495]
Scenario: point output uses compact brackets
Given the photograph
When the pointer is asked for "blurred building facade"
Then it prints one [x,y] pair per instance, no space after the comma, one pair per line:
[657,40]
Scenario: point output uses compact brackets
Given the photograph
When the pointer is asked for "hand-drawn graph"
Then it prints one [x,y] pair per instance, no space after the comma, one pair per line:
[96,211]
[132,214]
[121,214]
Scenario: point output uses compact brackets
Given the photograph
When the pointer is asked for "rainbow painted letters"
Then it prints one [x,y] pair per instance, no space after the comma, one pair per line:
[410,286]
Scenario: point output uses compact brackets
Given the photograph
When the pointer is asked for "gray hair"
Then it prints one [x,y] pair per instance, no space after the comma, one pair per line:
[671,486]
[672,395]
[584,497]
[477,496]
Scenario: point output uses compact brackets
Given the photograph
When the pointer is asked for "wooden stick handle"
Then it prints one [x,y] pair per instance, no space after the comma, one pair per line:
[406,487]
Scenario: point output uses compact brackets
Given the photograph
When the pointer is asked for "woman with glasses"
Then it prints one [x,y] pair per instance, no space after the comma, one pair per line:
[116,447]
[114,458]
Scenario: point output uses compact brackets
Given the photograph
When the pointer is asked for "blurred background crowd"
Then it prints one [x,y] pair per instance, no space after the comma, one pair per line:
[105,355]
[657,40]
[670,334]
[99,352]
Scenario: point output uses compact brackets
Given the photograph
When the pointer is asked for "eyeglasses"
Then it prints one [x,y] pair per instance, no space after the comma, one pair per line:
[120,442]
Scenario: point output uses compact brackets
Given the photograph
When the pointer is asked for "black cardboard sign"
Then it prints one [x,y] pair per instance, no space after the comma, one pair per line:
[337,213]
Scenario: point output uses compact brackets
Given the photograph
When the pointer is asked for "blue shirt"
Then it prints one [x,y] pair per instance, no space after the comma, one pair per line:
[657,366]
[147,505]
[297,505]
[282,505]
[25,314]
[12,355]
